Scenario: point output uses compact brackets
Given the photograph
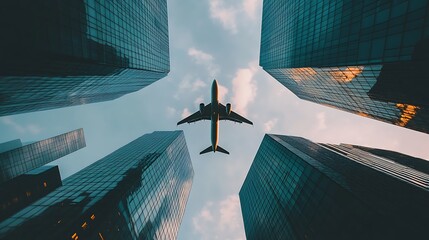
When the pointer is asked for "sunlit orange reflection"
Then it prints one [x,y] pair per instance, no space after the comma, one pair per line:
[346,75]
[362,114]
[301,74]
[408,112]
[75,236]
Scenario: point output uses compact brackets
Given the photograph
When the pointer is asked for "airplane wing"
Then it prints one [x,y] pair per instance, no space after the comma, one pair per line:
[197,116]
[233,116]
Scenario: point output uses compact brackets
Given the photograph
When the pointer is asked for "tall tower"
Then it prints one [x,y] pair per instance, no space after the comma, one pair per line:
[364,57]
[21,159]
[21,191]
[58,53]
[137,192]
[297,189]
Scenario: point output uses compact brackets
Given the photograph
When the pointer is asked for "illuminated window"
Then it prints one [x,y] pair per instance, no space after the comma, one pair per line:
[92,217]
[75,237]
[45,184]
[407,113]
[84,225]
[28,194]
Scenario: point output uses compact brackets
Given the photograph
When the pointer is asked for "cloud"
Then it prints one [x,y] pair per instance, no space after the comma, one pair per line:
[230,213]
[189,84]
[244,88]
[199,56]
[222,91]
[199,100]
[268,126]
[321,121]
[233,15]
[185,113]
[34,129]
[171,111]
[251,6]
[198,84]
[226,15]
[220,220]
[202,58]
[22,129]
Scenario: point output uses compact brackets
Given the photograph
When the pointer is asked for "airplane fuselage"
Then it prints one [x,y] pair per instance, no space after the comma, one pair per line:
[215,116]
[214,111]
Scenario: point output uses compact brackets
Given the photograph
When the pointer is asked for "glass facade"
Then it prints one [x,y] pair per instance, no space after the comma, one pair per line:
[19,192]
[366,57]
[63,53]
[139,191]
[297,189]
[23,159]
[409,161]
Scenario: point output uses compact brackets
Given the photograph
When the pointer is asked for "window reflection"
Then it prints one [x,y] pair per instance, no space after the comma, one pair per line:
[301,74]
[408,111]
[346,75]
[137,192]
[362,114]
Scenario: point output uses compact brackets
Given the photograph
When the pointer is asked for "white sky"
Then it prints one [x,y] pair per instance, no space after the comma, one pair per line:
[210,39]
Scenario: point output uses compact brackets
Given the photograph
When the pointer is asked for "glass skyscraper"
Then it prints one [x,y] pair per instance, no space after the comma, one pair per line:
[297,189]
[19,192]
[139,191]
[20,160]
[57,53]
[365,57]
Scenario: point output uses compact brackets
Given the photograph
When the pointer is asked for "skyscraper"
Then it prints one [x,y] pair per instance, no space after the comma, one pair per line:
[20,160]
[137,192]
[19,192]
[62,53]
[297,189]
[364,57]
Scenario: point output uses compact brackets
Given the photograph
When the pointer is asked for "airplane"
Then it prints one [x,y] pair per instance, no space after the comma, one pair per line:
[215,111]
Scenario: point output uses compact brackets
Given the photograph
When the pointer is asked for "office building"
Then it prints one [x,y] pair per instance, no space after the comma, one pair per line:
[19,160]
[297,189]
[9,145]
[139,191]
[366,57]
[19,192]
[63,53]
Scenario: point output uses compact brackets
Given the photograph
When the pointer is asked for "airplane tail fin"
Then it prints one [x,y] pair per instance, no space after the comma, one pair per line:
[209,149]
[222,150]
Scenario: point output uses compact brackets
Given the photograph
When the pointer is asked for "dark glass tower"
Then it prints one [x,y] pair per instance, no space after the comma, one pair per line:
[137,192]
[19,192]
[365,57]
[297,189]
[20,160]
[57,53]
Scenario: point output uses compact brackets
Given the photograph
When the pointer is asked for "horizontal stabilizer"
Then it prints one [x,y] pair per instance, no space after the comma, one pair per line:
[209,149]
[222,150]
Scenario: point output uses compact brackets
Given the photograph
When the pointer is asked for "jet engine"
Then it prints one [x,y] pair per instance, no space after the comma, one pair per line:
[201,108]
[228,108]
